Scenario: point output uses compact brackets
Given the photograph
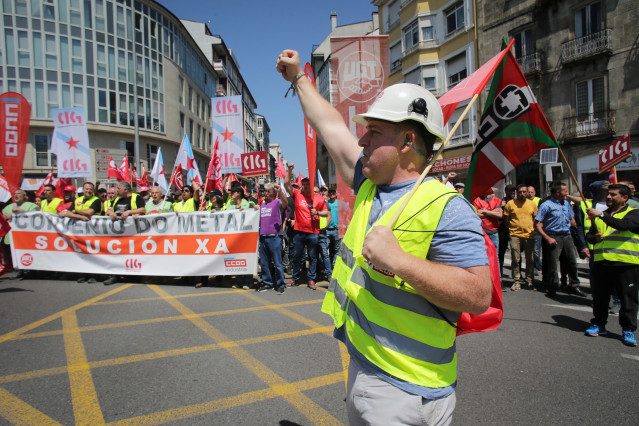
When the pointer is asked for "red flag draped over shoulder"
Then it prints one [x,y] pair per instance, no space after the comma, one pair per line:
[513,128]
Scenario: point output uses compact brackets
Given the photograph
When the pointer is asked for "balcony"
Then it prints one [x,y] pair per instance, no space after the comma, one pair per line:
[586,125]
[586,46]
[530,64]
[422,45]
[219,68]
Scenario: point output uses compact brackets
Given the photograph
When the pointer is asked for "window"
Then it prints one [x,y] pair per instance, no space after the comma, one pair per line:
[524,43]
[455,18]
[411,36]
[430,83]
[456,69]
[44,158]
[463,131]
[590,98]
[588,20]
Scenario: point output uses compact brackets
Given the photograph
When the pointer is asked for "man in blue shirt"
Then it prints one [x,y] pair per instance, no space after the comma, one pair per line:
[552,222]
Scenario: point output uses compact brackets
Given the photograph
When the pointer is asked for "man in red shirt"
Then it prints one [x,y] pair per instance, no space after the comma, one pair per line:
[490,212]
[308,208]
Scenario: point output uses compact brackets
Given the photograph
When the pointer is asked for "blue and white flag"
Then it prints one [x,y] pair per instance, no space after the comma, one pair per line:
[186,161]
[70,143]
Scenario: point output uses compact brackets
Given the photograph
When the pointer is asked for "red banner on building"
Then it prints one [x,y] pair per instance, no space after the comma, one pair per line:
[359,66]
[15,114]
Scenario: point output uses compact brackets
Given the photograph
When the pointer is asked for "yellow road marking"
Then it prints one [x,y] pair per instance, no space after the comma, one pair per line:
[18,412]
[84,398]
[301,402]
[230,402]
[164,319]
[181,296]
[13,334]
[161,354]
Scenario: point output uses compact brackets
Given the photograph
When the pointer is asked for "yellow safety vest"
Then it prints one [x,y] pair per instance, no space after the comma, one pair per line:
[386,320]
[587,222]
[617,246]
[185,206]
[79,205]
[50,206]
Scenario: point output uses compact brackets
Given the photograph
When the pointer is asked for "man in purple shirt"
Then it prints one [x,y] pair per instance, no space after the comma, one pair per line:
[271,210]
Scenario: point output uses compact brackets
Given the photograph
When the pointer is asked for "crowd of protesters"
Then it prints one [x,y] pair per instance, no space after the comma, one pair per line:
[554,232]
[291,234]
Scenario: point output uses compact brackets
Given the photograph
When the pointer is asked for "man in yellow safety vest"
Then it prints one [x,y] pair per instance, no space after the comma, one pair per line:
[397,288]
[616,267]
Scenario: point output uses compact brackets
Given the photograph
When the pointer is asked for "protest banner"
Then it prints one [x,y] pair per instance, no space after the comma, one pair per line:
[228,125]
[193,244]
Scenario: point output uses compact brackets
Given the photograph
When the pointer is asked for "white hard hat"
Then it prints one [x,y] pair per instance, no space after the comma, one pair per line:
[406,101]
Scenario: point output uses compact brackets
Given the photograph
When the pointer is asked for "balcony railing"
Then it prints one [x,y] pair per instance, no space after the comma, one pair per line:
[429,44]
[589,45]
[530,63]
[219,67]
[598,123]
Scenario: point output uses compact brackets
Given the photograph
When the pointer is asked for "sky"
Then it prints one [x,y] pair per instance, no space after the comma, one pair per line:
[257,32]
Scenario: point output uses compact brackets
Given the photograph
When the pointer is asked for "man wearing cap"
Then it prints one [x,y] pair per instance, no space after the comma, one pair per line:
[460,187]
[308,207]
[50,202]
[389,277]
[157,204]
[69,199]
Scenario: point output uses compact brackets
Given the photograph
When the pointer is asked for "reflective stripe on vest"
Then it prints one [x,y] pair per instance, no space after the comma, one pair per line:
[617,246]
[79,205]
[386,320]
[587,221]
[50,207]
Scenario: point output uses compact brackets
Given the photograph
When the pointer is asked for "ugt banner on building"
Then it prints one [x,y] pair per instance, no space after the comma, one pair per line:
[199,243]
[359,64]
[228,126]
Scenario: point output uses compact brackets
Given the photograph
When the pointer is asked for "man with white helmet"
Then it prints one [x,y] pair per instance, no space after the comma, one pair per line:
[396,293]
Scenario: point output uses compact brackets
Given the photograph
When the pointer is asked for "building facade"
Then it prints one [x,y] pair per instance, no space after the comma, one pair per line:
[143,76]
[581,61]
[434,44]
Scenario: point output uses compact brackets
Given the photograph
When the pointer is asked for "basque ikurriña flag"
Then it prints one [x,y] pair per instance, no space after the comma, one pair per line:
[513,128]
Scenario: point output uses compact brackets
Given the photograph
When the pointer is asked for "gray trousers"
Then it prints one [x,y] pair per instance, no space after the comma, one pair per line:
[373,401]
[551,260]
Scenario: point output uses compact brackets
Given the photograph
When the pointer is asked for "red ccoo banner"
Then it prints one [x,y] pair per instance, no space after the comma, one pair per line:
[15,113]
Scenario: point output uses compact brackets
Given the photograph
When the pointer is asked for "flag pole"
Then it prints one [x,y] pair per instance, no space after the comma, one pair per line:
[432,160]
[572,174]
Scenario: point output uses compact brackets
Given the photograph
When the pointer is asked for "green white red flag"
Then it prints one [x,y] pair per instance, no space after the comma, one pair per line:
[513,128]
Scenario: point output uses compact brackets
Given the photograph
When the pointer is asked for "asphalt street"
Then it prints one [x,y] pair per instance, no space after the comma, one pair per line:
[149,353]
